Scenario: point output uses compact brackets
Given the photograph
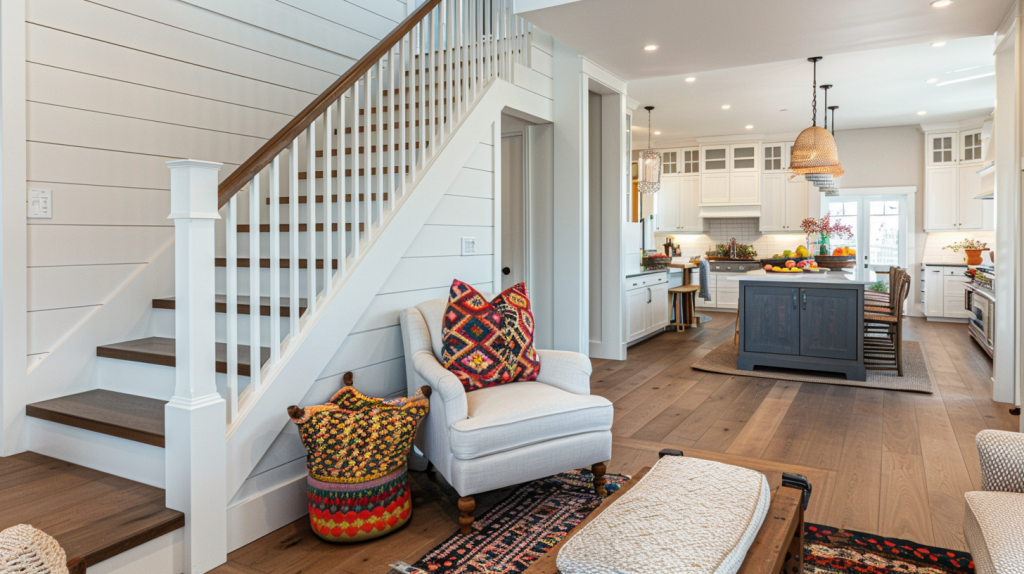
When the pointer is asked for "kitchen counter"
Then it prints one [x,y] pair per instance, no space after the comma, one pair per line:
[642,273]
[830,277]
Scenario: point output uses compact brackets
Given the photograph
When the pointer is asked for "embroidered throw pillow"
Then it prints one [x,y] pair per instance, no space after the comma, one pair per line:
[517,326]
[473,340]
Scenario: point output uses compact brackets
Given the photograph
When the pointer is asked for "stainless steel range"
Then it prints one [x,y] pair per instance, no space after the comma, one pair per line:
[980,300]
[735,266]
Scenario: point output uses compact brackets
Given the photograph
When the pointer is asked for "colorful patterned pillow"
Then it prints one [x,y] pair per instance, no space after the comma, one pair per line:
[517,326]
[473,339]
[358,446]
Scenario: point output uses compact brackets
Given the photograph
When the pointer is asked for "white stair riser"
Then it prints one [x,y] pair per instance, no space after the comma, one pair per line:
[147,380]
[165,318]
[163,555]
[243,281]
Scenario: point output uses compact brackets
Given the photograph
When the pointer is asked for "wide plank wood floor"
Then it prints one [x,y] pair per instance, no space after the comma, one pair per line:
[885,462]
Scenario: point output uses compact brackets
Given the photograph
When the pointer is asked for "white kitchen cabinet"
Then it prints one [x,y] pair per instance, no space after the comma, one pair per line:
[727,292]
[744,157]
[970,146]
[941,148]
[691,161]
[744,188]
[732,174]
[933,299]
[945,292]
[714,188]
[668,205]
[646,305]
[773,202]
[670,162]
[940,198]
[798,193]
[657,308]
[636,309]
[774,160]
[971,211]
[716,159]
[679,205]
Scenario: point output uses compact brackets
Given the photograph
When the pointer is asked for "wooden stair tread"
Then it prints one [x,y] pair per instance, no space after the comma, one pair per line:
[93,515]
[131,417]
[334,198]
[348,172]
[265,227]
[395,125]
[243,262]
[243,305]
[160,351]
[362,150]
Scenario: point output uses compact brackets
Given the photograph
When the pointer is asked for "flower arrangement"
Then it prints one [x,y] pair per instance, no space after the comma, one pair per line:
[824,227]
[967,244]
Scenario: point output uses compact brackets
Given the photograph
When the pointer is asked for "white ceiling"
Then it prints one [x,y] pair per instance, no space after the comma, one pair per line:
[700,35]
[873,88]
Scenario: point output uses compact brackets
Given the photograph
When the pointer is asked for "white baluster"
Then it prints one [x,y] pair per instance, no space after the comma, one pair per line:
[457,60]
[474,53]
[449,54]
[275,259]
[231,251]
[329,203]
[420,112]
[429,88]
[495,62]
[255,359]
[311,217]
[368,155]
[342,189]
[402,99]
[380,139]
[355,171]
[293,241]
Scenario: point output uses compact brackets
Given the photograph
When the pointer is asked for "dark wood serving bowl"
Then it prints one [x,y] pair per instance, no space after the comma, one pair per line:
[836,261]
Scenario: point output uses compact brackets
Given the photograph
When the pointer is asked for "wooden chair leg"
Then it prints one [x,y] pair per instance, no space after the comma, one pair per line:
[736,336]
[466,506]
[599,479]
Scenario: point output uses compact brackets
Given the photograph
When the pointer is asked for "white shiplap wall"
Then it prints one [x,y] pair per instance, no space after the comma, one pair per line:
[116,88]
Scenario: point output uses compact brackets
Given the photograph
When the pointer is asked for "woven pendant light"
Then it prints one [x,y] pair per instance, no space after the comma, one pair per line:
[649,178]
[814,151]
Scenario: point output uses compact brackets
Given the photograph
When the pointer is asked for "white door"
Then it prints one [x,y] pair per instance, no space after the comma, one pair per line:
[668,204]
[743,188]
[773,202]
[714,189]
[657,309]
[636,309]
[689,204]
[879,226]
[513,220]
[970,210]
[797,202]
[940,198]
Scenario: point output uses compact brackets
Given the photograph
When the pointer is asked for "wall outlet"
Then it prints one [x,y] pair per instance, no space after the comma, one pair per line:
[469,245]
[40,204]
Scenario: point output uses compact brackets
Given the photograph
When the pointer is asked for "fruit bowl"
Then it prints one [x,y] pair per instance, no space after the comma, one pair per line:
[836,261]
[782,262]
[794,270]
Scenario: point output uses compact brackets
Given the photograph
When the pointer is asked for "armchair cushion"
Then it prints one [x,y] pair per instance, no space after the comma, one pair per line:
[475,348]
[1002,460]
[994,529]
[515,415]
[517,327]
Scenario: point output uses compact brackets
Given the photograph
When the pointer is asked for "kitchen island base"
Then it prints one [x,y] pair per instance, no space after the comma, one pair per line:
[800,324]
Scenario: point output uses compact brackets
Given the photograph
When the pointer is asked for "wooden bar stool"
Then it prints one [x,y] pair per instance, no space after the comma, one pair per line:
[683,302]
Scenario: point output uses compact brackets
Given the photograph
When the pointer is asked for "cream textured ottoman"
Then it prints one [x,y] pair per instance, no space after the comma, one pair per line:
[686,516]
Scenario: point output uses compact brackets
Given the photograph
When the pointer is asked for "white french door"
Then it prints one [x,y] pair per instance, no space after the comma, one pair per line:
[879,231]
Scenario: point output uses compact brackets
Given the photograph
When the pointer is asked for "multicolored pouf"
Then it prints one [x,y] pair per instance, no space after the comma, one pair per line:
[357,449]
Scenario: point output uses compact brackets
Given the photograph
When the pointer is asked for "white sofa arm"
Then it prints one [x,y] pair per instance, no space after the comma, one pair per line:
[565,370]
[1002,460]
[447,386]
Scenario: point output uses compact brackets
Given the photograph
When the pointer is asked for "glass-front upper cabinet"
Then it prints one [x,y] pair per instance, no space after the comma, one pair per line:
[669,162]
[971,150]
[942,149]
[772,154]
[691,160]
[744,157]
[716,158]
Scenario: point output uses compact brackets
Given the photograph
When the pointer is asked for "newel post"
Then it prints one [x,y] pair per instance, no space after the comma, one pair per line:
[195,418]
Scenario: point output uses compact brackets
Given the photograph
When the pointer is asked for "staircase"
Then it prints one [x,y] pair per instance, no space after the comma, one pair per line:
[309,227]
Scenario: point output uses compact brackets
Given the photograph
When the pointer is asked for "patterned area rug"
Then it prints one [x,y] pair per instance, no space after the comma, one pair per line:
[722,359]
[536,516]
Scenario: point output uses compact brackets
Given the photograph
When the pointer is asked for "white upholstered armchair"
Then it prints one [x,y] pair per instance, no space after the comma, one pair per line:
[994,520]
[508,434]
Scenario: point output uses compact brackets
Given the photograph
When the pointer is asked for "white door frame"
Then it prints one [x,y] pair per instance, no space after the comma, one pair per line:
[863,231]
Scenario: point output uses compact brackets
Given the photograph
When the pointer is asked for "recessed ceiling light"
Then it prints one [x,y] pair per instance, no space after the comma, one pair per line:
[941,3]
[938,44]
[750,127]
[651,47]
[922,113]
[657,133]
[726,106]
[932,80]
[691,79]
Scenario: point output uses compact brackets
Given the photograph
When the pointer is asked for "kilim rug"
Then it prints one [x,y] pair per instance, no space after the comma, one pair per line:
[508,538]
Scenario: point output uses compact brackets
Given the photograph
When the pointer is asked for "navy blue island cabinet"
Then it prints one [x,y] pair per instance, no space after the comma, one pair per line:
[802,324]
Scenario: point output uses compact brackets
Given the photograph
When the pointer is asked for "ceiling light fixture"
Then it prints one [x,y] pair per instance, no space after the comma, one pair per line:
[691,79]
[657,133]
[649,178]
[650,47]
[814,152]
[931,80]
[750,127]
[979,76]
[938,44]
[941,3]
[922,113]
[726,106]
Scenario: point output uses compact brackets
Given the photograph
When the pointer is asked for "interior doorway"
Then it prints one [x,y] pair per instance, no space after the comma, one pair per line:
[513,212]
[879,226]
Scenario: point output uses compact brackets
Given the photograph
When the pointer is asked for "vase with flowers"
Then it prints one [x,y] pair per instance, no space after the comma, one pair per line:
[972,249]
[825,229]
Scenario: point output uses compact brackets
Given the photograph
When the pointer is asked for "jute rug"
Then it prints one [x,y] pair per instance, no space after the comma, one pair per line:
[535,516]
[722,359]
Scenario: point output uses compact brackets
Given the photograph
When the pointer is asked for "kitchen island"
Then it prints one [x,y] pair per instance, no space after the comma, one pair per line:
[802,321]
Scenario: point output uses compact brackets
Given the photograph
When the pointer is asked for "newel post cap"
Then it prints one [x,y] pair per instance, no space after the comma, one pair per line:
[194,189]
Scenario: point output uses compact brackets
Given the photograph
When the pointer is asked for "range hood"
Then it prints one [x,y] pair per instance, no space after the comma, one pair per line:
[723,211]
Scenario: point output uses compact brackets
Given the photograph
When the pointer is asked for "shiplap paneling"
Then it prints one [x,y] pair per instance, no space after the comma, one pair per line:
[482,158]
[94,284]
[446,240]
[77,165]
[473,183]
[47,328]
[53,245]
[458,210]
[101,205]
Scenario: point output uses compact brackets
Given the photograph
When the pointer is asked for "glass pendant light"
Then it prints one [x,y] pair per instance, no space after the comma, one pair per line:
[649,178]
[814,152]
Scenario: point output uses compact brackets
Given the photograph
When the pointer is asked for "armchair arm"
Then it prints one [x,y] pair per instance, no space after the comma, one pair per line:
[1002,460]
[565,370]
[447,386]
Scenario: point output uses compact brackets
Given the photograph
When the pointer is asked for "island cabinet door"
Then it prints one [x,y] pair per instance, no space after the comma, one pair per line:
[828,323]
[771,320]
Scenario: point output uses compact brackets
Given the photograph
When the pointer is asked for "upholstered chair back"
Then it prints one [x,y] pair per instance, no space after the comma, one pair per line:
[433,314]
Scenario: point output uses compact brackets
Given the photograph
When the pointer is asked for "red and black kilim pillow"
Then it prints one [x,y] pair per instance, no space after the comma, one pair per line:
[473,339]
[517,326]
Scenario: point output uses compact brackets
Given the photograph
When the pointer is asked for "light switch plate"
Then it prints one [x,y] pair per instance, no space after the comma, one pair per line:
[469,245]
[40,204]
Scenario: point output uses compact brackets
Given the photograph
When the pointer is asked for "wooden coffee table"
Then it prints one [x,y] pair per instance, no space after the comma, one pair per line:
[781,534]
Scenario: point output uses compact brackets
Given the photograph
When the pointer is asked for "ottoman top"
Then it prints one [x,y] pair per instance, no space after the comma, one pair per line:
[687,516]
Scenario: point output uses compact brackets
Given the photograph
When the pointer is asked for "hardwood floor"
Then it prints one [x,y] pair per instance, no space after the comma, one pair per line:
[886,462]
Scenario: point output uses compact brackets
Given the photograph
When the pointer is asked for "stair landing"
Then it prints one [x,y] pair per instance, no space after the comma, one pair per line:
[93,515]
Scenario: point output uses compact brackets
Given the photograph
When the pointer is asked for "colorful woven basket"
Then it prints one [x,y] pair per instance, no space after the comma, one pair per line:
[358,447]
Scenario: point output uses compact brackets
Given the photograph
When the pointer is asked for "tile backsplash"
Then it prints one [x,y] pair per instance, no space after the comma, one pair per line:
[933,246]
[745,230]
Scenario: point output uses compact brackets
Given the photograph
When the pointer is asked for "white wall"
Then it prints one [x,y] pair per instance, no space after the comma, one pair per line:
[115,88]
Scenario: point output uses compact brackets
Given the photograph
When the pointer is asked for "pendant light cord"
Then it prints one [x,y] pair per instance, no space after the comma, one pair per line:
[814,98]
[648,129]
[826,105]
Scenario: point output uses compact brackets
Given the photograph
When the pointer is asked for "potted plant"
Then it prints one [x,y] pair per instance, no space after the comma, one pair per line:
[825,229]
[972,248]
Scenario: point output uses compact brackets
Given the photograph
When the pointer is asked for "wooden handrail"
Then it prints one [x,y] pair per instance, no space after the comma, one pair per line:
[282,139]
